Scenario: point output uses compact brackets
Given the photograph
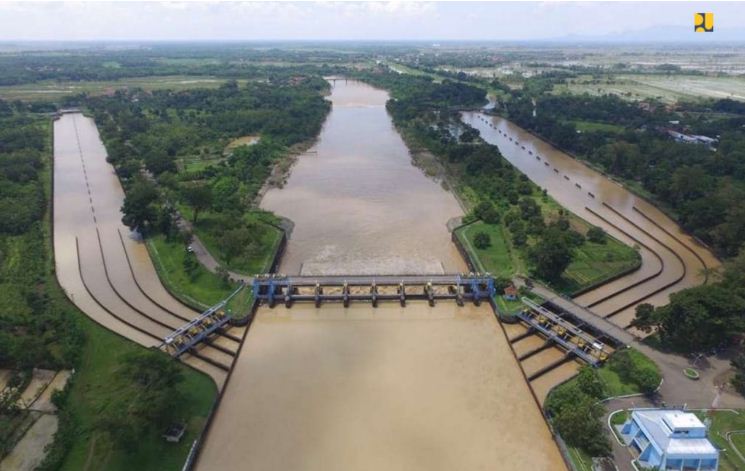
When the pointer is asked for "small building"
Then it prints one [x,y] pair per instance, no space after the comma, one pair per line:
[510,293]
[669,440]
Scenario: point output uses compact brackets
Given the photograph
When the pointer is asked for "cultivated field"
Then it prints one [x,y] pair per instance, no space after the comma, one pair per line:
[50,89]
[668,88]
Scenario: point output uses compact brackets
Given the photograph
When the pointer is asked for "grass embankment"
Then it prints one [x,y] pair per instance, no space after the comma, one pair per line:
[592,263]
[723,422]
[613,383]
[497,259]
[200,289]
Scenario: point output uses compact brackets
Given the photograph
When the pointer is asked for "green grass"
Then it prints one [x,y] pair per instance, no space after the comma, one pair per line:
[594,263]
[496,259]
[52,90]
[209,231]
[507,306]
[589,126]
[90,391]
[667,88]
[614,385]
[582,461]
[722,422]
[202,290]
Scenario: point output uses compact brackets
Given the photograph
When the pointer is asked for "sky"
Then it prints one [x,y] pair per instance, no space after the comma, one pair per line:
[75,21]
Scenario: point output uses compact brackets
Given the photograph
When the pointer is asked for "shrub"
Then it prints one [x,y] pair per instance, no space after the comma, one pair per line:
[596,234]
[482,240]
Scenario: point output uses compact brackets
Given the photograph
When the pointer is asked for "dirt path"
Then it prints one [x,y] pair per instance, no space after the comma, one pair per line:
[29,451]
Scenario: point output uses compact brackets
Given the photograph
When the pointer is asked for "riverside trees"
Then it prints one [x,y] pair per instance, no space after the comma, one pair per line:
[169,148]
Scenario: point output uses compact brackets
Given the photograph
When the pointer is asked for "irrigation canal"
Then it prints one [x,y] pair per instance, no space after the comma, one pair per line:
[671,259]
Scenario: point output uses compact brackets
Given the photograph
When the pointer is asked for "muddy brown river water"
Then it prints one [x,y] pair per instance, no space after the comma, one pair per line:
[358,203]
[671,259]
[363,388]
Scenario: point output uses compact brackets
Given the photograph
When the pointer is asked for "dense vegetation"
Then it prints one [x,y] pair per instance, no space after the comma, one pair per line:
[223,60]
[702,318]
[35,331]
[169,149]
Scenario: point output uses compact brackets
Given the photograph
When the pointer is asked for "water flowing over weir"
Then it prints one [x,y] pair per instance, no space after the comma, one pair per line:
[361,388]
[671,259]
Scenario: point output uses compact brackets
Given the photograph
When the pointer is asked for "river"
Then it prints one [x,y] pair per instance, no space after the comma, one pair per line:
[363,388]
[671,259]
[358,203]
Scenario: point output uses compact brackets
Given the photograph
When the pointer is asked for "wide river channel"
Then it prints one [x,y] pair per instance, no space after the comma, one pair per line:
[363,388]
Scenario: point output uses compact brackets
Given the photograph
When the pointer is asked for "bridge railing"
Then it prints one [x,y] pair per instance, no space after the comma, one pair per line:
[198,329]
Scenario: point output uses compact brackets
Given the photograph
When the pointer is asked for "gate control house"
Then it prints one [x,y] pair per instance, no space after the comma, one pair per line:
[670,440]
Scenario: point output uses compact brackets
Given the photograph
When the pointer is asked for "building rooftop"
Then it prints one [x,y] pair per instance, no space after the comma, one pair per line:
[659,426]
[682,420]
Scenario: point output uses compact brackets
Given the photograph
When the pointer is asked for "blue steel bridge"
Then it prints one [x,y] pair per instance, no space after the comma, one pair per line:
[271,289]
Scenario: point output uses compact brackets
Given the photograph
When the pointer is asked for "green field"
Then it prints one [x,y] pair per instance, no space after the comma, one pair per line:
[724,421]
[51,90]
[594,263]
[614,385]
[667,88]
[589,126]
[496,259]
[259,263]
[201,290]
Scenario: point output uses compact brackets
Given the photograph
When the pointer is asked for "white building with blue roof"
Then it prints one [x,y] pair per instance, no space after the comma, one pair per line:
[670,440]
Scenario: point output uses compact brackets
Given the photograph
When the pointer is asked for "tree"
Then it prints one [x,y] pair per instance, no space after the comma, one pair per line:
[140,205]
[644,320]
[234,242]
[487,212]
[191,266]
[580,425]
[146,396]
[738,363]
[697,319]
[596,234]
[647,379]
[198,197]
[589,382]
[482,240]
[550,256]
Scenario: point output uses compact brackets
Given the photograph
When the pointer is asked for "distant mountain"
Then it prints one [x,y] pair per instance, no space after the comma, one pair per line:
[668,33]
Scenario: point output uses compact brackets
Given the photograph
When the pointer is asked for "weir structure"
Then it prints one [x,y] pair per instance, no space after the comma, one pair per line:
[563,333]
[273,288]
[199,329]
